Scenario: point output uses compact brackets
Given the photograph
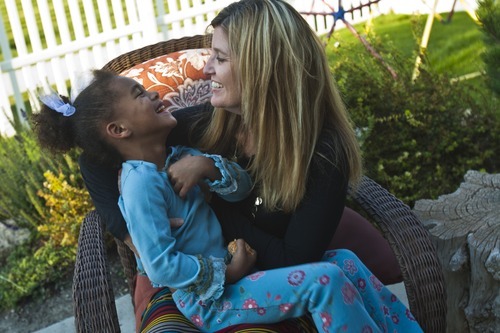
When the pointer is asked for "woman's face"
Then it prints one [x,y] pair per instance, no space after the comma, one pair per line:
[226,92]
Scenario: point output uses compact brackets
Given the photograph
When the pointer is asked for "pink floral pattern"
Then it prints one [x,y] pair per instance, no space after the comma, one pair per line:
[409,315]
[324,280]
[250,303]
[255,276]
[376,283]
[349,293]
[284,308]
[361,284]
[367,329]
[196,319]
[335,296]
[350,266]
[326,318]
[295,278]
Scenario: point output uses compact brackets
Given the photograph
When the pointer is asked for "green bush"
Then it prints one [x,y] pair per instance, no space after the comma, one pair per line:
[51,207]
[67,207]
[30,272]
[418,138]
[22,168]
[489,16]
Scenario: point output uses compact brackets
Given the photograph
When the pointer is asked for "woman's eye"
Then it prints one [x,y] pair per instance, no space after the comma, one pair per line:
[220,60]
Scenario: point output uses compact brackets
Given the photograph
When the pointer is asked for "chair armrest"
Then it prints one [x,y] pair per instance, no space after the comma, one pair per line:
[417,257]
[93,297]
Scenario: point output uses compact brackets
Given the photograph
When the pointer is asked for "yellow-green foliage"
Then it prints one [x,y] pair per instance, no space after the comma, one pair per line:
[30,269]
[45,194]
[67,208]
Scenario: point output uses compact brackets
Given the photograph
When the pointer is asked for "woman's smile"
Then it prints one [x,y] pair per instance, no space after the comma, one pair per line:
[225,87]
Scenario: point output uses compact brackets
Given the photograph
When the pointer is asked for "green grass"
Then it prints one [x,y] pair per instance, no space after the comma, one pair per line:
[454,48]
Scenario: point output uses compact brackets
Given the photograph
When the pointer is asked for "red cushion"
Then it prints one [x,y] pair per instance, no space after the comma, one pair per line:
[144,291]
[358,235]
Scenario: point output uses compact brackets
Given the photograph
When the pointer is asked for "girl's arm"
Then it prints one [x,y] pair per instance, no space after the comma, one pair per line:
[228,179]
[145,202]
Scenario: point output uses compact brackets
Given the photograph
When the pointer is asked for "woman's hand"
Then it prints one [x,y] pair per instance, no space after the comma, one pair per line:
[189,171]
[242,262]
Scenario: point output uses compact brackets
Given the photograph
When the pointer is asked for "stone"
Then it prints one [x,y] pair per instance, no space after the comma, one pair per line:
[10,237]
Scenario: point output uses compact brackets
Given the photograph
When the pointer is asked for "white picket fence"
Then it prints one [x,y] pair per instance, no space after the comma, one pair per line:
[54,40]
[72,36]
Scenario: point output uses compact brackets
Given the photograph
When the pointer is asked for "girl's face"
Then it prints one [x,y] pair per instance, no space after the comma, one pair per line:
[226,93]
[139,110]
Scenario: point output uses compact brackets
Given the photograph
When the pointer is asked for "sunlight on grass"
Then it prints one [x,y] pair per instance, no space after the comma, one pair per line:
[454,48]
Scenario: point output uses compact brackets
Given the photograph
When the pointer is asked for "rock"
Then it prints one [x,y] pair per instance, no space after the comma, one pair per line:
[10,237]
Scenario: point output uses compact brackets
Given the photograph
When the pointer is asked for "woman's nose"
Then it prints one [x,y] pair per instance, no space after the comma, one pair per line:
[208,69]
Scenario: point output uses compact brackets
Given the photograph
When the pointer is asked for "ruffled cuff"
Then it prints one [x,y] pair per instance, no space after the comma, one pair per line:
[229,182]
[209,285]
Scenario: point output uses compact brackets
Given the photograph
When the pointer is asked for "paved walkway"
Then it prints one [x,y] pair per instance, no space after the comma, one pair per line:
[127,320]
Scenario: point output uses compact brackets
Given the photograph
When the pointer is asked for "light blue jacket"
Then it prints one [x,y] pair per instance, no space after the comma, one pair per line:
[192,256]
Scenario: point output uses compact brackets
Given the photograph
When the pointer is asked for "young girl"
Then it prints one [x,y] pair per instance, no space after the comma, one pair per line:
[114,120]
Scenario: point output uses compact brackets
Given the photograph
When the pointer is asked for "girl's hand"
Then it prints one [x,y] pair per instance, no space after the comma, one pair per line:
[189,171]
[242,262]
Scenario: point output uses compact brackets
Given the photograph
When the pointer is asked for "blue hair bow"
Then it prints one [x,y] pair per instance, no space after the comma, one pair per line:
[55,102]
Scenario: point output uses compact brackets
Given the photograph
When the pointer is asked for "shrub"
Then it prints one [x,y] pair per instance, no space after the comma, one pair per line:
[29,272]
[51,206]
[489,16]
[67,206]
[418,138]
[22,165]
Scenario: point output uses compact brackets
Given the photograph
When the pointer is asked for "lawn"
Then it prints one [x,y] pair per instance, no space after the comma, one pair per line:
[454,48]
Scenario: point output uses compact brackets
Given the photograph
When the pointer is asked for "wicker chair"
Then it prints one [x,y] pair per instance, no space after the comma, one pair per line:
[93,296]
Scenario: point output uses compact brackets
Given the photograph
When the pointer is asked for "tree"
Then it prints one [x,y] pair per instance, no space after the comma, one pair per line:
[488,13]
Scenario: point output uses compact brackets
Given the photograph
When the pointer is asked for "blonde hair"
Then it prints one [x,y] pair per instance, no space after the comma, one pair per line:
[288,99]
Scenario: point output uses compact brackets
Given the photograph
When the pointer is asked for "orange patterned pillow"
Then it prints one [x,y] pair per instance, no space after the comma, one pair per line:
[178,77]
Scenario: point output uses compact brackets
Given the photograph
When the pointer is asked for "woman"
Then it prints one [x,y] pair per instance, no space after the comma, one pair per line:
[277,108]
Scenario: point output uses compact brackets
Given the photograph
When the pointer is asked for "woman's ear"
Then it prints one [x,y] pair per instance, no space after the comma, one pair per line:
[117,131]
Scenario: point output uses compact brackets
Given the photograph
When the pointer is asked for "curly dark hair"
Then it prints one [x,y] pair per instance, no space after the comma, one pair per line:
[94,106]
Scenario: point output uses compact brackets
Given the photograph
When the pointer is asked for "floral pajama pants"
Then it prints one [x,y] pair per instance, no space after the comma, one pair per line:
[339,292]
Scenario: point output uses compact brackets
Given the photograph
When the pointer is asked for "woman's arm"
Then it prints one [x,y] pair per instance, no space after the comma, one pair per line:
[310,228]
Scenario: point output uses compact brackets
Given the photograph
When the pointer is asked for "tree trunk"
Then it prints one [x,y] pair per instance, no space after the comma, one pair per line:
[465,227]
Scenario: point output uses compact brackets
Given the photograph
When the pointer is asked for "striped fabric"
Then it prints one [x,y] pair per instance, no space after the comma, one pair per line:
[161,315]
